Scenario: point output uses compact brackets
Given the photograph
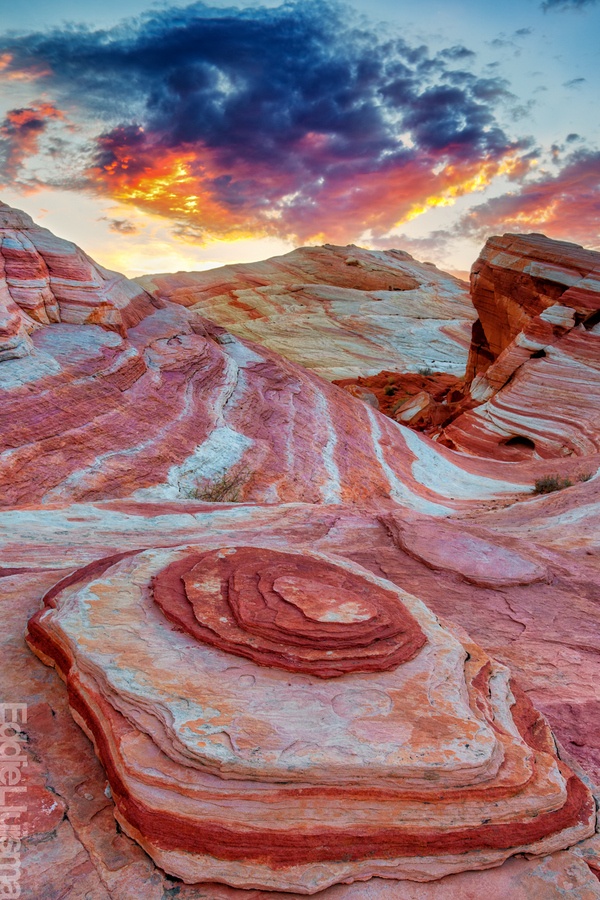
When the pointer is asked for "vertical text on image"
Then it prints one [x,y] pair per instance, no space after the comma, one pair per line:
[12,795]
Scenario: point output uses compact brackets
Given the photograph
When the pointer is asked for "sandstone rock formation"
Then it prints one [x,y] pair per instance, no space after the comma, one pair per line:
[518,278]
[395,394]
[186,626]
[341,312]
[435,763]
[533,365]
[169,404]
[52,280]
[547,632]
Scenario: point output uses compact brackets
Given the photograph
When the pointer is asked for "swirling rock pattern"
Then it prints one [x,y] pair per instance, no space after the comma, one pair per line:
[106,393]
[293,611]
[51,280]
[227,769]
[341,312]
[238,743]
[516,278]
[533,364]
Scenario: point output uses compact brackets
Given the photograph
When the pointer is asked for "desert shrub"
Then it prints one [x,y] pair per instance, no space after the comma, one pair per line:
[585,476]
[225,488]
[549,483]
[389,389]
[425,370]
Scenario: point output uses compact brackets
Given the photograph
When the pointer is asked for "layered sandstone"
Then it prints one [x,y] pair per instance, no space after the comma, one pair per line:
[308,587]
[176,408]
[160,401]
[51,280]
[437,761]
[528,599]
[342,312]
[518,278]
[533,366]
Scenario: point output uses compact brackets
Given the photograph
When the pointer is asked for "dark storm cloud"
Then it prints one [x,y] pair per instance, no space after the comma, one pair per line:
[120,226]
[272,101]
[251,80]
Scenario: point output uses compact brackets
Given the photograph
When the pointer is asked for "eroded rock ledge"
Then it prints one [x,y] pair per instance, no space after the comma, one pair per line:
[260,766]
[269,712]
[45,280]
[533,370]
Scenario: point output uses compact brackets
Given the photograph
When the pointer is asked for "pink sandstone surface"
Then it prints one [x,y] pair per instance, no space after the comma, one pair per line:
[114,430]
[342,312]
[533,368]
[434,763]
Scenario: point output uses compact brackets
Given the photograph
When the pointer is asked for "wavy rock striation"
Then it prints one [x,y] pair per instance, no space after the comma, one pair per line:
[115,396]
[52,280]
[273,706]
[533,364]
[433,763]
[294,612]
[342,312]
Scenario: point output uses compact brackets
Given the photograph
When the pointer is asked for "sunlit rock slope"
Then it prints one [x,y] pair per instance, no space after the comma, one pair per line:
[340,311]
[310,645]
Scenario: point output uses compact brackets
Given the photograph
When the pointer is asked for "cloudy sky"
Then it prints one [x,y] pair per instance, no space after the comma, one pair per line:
[164,137]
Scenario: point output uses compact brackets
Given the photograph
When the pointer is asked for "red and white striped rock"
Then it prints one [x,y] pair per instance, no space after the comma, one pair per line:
[52,280]
[549,410]
[547,632]
[517,278]
[534,354]
[15,327]
[174,408]
[164,411]
[341,312]
[433,765]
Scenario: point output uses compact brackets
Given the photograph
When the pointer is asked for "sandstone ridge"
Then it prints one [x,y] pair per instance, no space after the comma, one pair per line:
[314,650]
[342,312]
[424,783]
[533,365]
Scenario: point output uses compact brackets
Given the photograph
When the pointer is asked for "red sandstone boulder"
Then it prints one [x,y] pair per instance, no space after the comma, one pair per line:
[533,362]
[355,390]
[433,763]
[519,277]
[545,630]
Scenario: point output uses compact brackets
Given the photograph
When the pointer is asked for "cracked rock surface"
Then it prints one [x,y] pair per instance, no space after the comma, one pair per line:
[136,431]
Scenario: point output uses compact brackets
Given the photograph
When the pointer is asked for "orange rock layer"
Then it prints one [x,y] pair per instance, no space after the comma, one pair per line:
[342,312]
[228,770]
[533,374]
[270,713]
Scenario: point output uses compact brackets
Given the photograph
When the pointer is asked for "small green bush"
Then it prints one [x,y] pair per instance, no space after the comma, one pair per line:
[549,483]
[224,489]
[389,389]
[425,370]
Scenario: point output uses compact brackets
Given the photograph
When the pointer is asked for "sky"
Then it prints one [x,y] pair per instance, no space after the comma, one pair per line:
[164,137]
